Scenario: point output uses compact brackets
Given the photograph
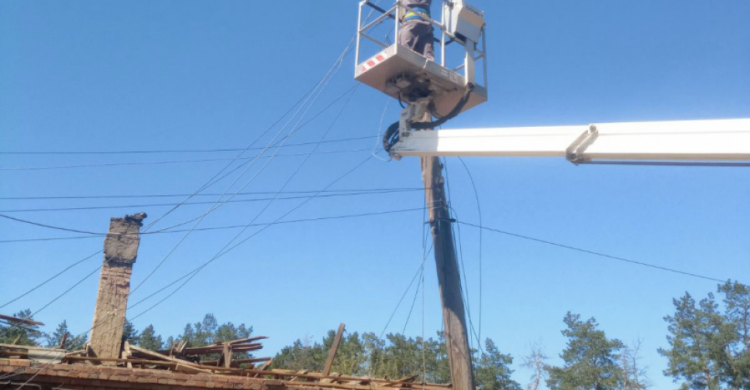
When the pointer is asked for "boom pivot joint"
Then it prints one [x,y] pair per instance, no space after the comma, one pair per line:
[574,152]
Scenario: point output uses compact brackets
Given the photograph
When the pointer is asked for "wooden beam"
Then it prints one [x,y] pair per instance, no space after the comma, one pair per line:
[155,355]
[63,340]
[220,349]
[226,356]
[20,320]
[332,351]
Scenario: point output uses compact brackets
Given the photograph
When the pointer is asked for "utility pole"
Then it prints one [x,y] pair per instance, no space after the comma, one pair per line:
[449,279]
[120,252]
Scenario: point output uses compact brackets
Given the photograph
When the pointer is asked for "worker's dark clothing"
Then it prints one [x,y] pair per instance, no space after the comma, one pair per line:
[415,32]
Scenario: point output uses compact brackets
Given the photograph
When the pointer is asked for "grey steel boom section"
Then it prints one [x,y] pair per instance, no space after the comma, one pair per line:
[698,140]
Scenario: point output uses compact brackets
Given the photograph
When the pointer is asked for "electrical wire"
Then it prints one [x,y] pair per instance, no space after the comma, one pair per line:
[414,301]
[458,245]
[108,165]
[377,137]
[200,195]
[64,293]
[406,292]
[323,83]
[481,235]
[590,252]
[53,277]
[51,226]
[167,151]
[229,227]
[340,61]
[151,205]
[195,272]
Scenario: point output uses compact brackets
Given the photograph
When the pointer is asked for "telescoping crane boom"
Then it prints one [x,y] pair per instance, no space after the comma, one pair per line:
[723,141]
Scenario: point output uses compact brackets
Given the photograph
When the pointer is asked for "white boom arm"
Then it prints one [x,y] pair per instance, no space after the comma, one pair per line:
[697,140]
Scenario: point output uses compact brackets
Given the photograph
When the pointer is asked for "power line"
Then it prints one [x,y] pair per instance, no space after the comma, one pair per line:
[143,206]
[322,85]
[479,213]
[51,278]
[604,255]
[218,176]
[73,197]
[51,226]
[166,151]
[221,252]
[231,227]
[170,162]
[195,271]
[316,219]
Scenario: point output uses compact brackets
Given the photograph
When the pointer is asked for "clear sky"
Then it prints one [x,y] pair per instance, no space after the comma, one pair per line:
[187,75]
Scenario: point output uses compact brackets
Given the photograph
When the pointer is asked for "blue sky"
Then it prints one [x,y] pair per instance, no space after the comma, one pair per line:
[106,76]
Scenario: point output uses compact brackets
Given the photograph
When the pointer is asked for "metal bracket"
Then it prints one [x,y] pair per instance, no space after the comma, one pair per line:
[414,112]
[574,152]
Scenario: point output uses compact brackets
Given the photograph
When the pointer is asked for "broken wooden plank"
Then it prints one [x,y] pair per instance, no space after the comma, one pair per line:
[264,367]
[253,360]
[62,341]
[334,348]
[241,341]
[159,356]
[220,348]
[226,356]
[24,321]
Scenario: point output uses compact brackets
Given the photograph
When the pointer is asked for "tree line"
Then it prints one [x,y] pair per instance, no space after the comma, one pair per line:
[707,348]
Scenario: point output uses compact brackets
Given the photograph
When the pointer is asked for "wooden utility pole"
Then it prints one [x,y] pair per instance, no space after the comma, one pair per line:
[120,252]
[449,278]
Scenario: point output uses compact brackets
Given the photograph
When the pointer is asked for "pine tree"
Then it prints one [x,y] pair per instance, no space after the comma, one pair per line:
[737,308]
[396,356]
[695,352]
[72,343]
[20,334]
[129,333]
[590,358]
[149,339]
[710,349]
[492,369]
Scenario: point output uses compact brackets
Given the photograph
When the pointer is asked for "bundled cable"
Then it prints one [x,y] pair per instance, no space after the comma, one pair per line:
[391,136]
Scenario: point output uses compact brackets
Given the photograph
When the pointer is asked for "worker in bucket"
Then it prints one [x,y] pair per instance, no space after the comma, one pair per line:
[415,32]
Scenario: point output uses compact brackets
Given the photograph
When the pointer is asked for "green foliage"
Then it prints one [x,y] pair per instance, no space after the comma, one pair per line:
[396,356]
[150,340]
[736,367]
[591,360]
[129,333]
[209,332]
[301,355]
[710,349]
[72,343]
[492,370]
[20,334]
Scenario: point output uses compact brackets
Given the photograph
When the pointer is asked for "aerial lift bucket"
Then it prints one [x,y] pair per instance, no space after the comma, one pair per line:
[403,74]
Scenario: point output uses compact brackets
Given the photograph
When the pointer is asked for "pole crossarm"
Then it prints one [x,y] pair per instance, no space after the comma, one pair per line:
[694,140]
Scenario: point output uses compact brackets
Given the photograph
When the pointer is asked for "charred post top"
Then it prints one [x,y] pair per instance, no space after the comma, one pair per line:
[121,244]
